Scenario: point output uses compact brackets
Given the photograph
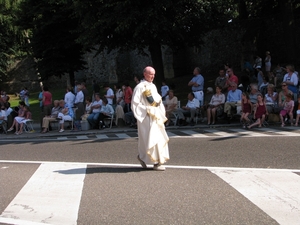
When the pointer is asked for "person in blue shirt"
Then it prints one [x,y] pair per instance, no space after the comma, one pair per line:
[197,84]
[105,112]
[233,96]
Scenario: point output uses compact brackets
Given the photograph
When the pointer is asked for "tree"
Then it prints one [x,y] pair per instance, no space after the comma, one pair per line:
[52,39]
[11,37]
[131,24]
[271,25]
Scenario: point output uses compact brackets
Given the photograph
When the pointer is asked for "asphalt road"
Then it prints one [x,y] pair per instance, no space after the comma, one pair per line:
[192,190]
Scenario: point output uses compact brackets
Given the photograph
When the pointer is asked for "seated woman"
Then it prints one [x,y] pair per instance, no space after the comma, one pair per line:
[66,113]
[216,104]
[282,95]
[170,105]
[260,112]
[47,119]
[270,98]
[19,118]
[88,108]
[106,112]
[27,116]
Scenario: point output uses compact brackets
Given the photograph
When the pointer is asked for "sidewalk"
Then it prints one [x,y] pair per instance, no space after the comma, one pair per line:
[114,129]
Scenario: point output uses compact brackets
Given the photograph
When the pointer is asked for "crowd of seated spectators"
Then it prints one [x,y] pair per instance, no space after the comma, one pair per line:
[252,100]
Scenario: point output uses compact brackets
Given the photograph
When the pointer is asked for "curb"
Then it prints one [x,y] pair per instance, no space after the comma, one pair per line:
[109,131]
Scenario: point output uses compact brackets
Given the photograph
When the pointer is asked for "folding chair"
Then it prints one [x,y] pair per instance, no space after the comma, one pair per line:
[28,126]
[3,126]
[175,113]
[198,111]
[110,119]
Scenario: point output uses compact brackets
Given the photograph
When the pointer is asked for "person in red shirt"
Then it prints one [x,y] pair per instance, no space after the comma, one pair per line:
[231,79]
[127,98]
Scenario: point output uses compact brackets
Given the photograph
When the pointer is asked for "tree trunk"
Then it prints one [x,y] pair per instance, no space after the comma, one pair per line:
[157,61]
[72,78]
[289,30]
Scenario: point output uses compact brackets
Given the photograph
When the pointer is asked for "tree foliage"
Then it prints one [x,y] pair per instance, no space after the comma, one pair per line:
[52,39]
[130,24]
[11,37]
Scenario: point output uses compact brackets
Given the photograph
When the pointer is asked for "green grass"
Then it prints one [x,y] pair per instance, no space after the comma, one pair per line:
[34,102]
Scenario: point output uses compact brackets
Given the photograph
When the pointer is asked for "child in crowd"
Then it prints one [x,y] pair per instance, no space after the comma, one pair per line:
[246,109]
[288,107]
[298,112]
[260,112]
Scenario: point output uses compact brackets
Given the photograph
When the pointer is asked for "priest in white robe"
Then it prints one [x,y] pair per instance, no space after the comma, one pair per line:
[149,111]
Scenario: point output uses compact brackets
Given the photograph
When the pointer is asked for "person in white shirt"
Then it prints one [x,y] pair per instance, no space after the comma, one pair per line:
[189,110]
[109,94]
[96,108]
[105,112]
[291,79]
[69,97]
[80,107]
[164,90]
[3,116]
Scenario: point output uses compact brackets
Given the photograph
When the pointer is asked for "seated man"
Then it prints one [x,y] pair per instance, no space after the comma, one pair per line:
[189,110]
[96,107]
[106,111]
[65,114]
[233,96]
[47,119]
[3,117]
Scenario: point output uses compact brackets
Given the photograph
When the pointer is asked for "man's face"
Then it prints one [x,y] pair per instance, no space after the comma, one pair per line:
[229,72]
[149,74]
[195,72]
[190,97]
[222,73]
[234,87]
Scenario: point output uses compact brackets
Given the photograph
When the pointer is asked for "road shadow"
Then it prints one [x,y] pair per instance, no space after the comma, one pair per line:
[228,138]
[93,170]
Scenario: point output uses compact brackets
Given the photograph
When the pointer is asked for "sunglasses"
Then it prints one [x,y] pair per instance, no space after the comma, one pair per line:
[283,85]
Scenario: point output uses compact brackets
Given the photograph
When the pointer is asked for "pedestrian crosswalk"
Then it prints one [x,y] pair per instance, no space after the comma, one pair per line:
[198,133]
[55,193]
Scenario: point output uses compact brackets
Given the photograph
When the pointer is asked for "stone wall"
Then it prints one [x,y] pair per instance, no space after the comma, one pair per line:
[116,66]
[219,46]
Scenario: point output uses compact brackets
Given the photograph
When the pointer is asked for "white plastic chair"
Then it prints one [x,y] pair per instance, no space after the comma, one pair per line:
[175,113]
[28,126]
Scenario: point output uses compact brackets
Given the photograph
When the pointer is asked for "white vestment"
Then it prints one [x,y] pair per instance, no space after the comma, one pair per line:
[153,139]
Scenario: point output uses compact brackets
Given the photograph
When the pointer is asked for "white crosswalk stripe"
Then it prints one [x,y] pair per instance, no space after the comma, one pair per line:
[220,133]
[123,135]
[193,133]
[275,192]
[53,193]
[83,137]
[49,196]
[101,136]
